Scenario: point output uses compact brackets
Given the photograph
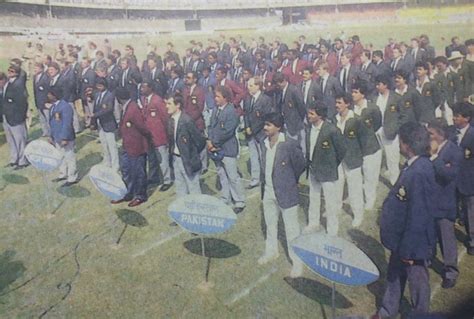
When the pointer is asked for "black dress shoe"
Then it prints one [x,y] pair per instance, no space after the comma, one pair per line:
[238,210]
[18,167]
[10,165]
[165,187]
[67,184]
[59,179]
[448,283]
[136,202]
[122,200]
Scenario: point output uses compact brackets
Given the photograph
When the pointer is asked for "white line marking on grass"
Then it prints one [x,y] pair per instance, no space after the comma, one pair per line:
[245,292]
[160,242]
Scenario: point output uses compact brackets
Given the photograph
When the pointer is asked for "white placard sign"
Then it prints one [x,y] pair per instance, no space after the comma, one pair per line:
[43,156]
[336,259]
[108,182]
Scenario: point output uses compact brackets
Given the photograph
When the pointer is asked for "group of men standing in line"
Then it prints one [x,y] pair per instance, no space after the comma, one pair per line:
[329,109]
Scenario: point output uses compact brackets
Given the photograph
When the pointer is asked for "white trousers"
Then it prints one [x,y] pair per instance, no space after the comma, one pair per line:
[392,155]
[16,139]
[371,171]
[109,149]
[354,180]
[271,211]
[332,200]
[68,166]
[185,184]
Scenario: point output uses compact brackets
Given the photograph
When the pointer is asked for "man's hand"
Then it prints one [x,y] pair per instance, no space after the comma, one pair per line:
[408,261]
[64,143]
[248,131]
[211,147]
[50,141]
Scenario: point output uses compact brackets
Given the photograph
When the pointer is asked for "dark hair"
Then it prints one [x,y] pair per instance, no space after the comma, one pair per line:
[346,97]
[101,81]
[194,73]
[122,94]
[361,86]
[15,68]
[381,78]
[54,65]
[178,70]
[400,73]
[57,91]
[279,77]
[469,42]
[177,99]
[275,118]
[421,64]
[222,70]
[319,107]
[225,92]
[464,109]
[308,68]
[378,53]
[117,53]
[416,137]
[3,76]
[366,53]
[441,59]
[440,126]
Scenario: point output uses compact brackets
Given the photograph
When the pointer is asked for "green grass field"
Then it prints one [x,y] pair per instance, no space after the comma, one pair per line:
[62,260]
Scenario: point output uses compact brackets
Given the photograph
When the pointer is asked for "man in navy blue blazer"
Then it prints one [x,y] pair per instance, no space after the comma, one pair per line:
[407,224]
[446,157]
[62,135]
[223,147]
[465,180]
[282,164]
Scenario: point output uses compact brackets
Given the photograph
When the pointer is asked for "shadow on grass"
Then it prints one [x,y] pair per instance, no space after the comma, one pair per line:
[16,179]
[85,163]
[318,292]
[82,141]
[374,249]
[214,248]
[10,269]
[74,191]
[130,218]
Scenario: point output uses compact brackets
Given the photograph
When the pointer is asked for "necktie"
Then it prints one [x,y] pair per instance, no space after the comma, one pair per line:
[153,74]
[364,67]
[303,88]
[172,131]
[323,85]
[252,103]
[344,79]
[458,136]
[124,77]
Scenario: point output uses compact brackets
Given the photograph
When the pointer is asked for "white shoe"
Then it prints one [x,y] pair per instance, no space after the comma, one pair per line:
[311,228]
[296,270]
[267,258]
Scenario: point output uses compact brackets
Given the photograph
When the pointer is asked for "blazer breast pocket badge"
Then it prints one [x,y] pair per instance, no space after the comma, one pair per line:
[351,134]
[407,104]
[57,116]
[184,139]
[153,114]
[194,100]
[41,88]
[222,124]
[325,144]
[467,153]
[402,194]
[290,104]
[10,100]
[393,108]
[104,106]
[128,124]
[368,122]
[428,93]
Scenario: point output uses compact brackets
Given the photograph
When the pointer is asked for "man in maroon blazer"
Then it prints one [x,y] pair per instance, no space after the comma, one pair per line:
[135,136]
[295,67]
[237,92]
[194,97]
[156,120]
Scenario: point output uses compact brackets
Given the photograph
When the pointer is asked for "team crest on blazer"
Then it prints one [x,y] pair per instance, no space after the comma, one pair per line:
[210,88]
[128,124]
[351,133]
[283,163]
[402,193]
[407,104]
[269,84]
[368,122]
[86,81]
[112,77]
[130,82]
[104,106]
[428,93]
[193,99]
[222,124]
[40,88]
[290,104]
[393,108]
[467,153]
[258,114]
[325,144]
[57,116]
[451,84]
[185,140]
[153,114]
[10,100]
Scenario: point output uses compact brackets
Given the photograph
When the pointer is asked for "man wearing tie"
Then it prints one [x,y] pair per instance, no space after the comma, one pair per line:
[310,88]
[465,180]
[348,73]
[186,143]
[14,108]
[103,120]
[223,146]
[330,88]
[40,89]
[256,106]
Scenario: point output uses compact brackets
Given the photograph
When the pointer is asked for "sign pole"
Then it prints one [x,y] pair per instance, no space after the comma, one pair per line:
[203,250]
[333,300]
